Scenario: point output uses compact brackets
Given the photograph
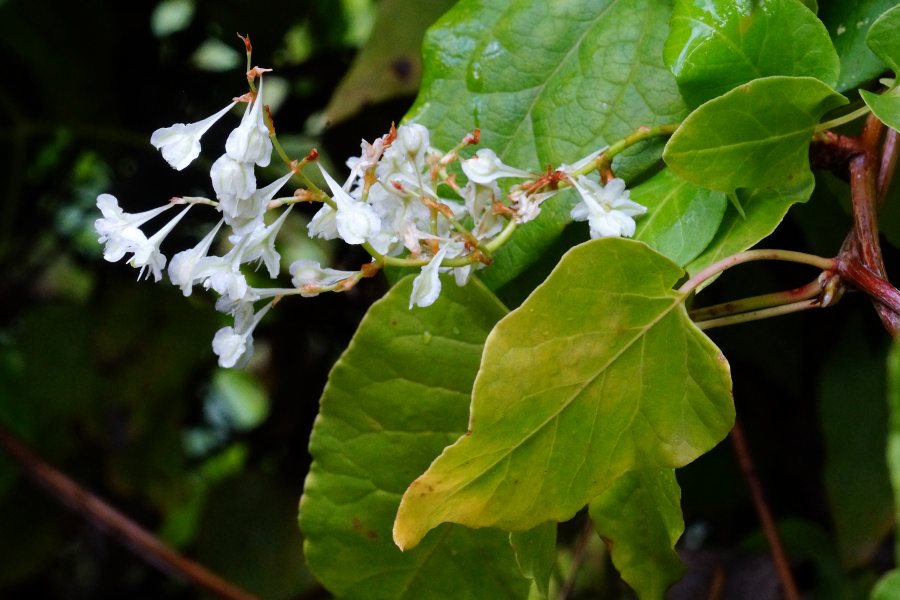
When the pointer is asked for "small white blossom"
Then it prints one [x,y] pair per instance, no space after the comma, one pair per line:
[310,277]
[233,181]
[234,345]
[119,230]
[486,167]
[184,266]
[250,142]
[247,215]
[148,256]
[607,208]
[261,245]
[355,221]
[426,286]
[180,143]
[479,203]
[528,206]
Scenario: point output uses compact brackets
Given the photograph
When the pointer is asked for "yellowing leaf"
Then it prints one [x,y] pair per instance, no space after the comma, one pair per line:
[598,373]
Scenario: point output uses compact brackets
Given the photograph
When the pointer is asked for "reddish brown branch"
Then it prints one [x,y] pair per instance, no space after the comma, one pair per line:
[779,556]
[888,163]
[120,527]
[587,531]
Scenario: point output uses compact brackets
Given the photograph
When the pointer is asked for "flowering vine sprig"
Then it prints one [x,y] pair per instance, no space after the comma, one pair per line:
[401,203]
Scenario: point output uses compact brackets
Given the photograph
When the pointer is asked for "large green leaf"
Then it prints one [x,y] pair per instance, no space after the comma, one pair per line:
[856,475]
[884,38]
[848,24]
[547,87]
[718,45]
[885,106]
[599,372]
[682,217]
[755,136]
[397,396]
[639,518]
[763,211]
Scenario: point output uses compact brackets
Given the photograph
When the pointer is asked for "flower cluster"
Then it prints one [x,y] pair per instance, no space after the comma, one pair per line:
[401,203]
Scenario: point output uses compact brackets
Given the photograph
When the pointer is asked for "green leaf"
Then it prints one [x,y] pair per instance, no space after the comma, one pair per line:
[763,211]
[682,217]
[398,395]
[848,24]
[888,587]
[884,38]
[639,518]
[536,554]
[885,106]
[599,372]
[716,46]
[893,443]
[755,136]
[856,476]
[547,87]
[389,65]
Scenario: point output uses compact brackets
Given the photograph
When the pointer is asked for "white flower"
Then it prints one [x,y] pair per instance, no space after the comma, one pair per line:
[479,203]
[412,140]
[426,286]
[234,345]
[310,277]
[147,254]
[223,274]
[486,167]
[184,266]
[355,221]
[233,181]
[247,215]
[180,143]
[250,142]
[583,162]
[528,206]
[118,230]
[607,208]
[261,245]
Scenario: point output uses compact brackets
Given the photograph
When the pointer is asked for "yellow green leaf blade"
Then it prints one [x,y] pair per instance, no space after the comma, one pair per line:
[599,372]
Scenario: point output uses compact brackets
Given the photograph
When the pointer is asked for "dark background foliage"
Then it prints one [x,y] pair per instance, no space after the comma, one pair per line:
[114,381]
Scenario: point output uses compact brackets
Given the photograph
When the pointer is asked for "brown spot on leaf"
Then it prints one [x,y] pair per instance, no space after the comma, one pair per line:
[402,68]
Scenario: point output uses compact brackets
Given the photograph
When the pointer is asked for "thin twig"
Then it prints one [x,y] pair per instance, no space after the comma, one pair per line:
[757,315]
[120,527]
[779,556]
[806,292]
[580,552]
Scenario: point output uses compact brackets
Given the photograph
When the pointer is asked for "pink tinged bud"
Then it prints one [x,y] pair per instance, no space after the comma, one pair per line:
[310,277]
[250,142]
[180,143]
[427,285]
[486,167]
[233,181]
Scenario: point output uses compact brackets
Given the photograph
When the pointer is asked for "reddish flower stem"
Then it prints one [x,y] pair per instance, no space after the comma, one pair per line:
[108,519]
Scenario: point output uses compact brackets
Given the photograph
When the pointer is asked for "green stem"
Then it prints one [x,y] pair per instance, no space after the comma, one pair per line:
[638,135]
[837,122]
[757,315]
[826,264]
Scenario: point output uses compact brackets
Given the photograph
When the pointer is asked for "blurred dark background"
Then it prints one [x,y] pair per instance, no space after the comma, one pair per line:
[114,381]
